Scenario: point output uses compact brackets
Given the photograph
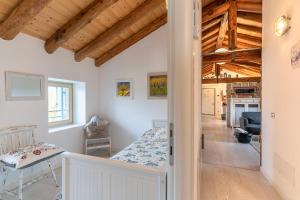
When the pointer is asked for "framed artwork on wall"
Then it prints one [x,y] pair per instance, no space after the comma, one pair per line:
[157,85]
[295,55]
[124,88]
[24,86]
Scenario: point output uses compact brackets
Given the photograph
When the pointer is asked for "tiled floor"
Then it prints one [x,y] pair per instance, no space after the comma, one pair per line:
[43,190]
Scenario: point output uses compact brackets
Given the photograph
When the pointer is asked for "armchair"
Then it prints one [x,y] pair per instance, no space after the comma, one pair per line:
[251,122]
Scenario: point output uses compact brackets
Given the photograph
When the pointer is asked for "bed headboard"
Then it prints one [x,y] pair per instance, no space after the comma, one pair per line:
[160,123]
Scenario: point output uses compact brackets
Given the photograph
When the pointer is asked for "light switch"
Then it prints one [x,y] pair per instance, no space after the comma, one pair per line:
[273,115]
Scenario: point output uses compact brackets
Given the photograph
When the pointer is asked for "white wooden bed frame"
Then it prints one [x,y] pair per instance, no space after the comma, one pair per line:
[92,178]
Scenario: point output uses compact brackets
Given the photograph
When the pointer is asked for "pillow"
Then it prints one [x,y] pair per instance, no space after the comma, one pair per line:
[29,155]
[161,133]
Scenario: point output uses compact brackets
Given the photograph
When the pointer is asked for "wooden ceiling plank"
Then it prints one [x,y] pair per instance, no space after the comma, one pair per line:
[210,32]
[231,80]
[238,70]
[250,30]
[156,24]
[207,42]
[237,55]
[211,13]
[213,44]
[20,16]
[78,22]
[247,63]
[232,25]
[210,24]
[249,6]
[223,30]
[250,19]
[118,27]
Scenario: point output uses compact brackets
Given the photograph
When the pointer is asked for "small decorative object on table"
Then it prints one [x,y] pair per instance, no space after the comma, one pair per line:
[97,135]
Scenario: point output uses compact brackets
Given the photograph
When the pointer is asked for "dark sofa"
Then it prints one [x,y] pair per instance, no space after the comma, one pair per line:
[251,122]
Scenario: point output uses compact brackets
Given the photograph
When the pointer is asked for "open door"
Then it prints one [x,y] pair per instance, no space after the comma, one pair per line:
[184,100]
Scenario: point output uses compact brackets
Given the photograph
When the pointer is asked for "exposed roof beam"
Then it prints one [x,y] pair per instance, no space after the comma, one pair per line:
[247,71]
[156,24]
[209,50]
[213,44]
[78,22]
[237,55]
[249,30]
[210,24]
[207,42]
[20,16]
[248,63]
[247,39]
[231,80]
[211,37]
[212,31]
[223,30]
[232,25]
[211,13]
[249,6]
[118,27]
[250,19]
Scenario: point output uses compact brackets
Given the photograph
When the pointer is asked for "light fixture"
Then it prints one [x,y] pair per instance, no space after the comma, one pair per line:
[221,50]
[282,25]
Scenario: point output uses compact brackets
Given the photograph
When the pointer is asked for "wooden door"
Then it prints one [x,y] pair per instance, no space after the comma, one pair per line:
[208,101]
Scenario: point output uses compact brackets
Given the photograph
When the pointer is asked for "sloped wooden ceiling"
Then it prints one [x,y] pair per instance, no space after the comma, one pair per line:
[235,25]
[99,29]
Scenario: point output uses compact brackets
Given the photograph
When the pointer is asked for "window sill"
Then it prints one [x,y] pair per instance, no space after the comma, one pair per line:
[63,128]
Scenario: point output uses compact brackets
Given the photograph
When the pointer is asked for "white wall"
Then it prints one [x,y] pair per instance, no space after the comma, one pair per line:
[280,94]
[132,117]
[27,54]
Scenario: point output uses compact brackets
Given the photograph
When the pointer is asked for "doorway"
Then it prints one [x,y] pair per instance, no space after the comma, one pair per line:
[208,101]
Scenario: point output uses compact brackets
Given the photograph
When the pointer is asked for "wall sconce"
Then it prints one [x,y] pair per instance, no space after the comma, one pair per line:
[282,25]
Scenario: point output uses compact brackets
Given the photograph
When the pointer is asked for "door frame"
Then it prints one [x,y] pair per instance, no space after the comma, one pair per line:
[184,101]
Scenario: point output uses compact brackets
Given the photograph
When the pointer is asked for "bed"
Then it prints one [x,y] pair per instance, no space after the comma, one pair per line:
[149,150]
[136,173]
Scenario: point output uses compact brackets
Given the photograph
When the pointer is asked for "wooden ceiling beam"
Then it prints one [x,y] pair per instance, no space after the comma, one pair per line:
[210,24]
[207,42]
[232,25]
[211,13]
[210,32]
[118,27]
[156,24]
[249,6]
[250,19]
[248,63]
[209,50]
[209,38]
[247,39]
[213,44]
[237,55]
[231,80]
[223,30]
[77,23]
[20,17]
[242,69]
[249,30]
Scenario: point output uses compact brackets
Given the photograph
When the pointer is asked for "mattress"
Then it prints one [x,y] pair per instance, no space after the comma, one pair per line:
[149,150]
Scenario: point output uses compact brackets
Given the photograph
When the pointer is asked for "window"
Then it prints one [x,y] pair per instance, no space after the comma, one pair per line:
[60,103]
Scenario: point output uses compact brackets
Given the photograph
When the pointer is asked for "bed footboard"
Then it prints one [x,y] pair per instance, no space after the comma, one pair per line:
[92,178]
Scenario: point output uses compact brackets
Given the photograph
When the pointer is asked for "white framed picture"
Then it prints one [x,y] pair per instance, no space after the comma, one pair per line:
[295,55]
[124,88]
